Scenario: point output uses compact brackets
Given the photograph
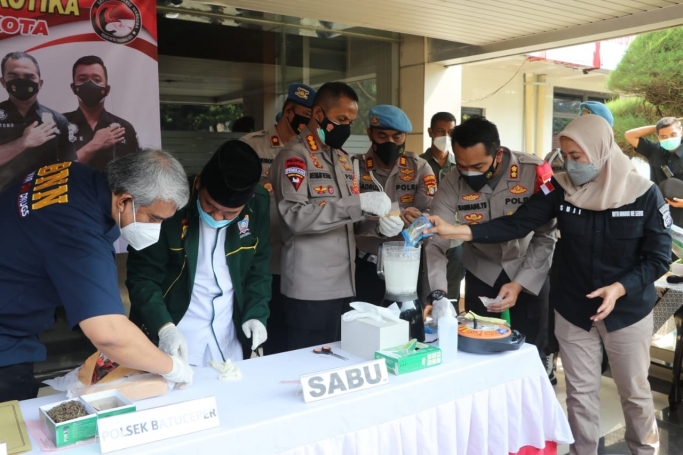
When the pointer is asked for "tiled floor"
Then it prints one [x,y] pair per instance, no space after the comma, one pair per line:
[612,420]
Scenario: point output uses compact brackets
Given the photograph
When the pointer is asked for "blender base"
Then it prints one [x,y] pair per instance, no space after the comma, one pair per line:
[411,311]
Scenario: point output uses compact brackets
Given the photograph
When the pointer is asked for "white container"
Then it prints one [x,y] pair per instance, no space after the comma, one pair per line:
[448,338]
[364,336]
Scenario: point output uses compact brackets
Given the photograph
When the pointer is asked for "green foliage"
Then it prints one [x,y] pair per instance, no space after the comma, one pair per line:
[629,113]
[652,69]
[195,117]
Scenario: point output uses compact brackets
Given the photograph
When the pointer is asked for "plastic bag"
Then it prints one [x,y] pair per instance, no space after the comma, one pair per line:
[413,234]
[134,387]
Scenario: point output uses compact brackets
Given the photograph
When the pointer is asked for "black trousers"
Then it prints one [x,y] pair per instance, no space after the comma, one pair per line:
[17,382]
[529,316]
[313,322]
[454,272]
[370,288]
[277,322]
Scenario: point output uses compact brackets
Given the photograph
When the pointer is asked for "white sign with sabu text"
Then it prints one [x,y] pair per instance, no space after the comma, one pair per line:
[142,427]
[340,381]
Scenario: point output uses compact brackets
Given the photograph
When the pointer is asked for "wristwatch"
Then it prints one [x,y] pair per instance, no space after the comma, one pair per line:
[436,295]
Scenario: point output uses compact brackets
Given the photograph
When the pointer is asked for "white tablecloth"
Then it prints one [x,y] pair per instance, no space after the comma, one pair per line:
[475,405]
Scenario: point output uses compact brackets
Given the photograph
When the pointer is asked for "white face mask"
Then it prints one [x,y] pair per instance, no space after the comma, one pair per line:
[443,143]
[140,235]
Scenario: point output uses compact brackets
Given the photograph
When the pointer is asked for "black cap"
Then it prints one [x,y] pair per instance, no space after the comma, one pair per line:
[232,174]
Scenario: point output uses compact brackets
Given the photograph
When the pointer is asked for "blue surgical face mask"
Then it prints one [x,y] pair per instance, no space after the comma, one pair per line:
[580,173]
[671,143]
[208,219]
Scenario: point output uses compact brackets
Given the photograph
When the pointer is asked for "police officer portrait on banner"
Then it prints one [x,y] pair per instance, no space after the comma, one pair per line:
[407,180]
[293,118]
[318,199]
[202,291]
[57,230]
[100,136]
[31,135]
[490,181]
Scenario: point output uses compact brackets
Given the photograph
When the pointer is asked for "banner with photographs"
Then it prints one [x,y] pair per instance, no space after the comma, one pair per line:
[81,82]
[81,78]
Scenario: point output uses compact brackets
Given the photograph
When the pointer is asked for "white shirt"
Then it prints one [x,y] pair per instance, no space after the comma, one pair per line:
[207,325]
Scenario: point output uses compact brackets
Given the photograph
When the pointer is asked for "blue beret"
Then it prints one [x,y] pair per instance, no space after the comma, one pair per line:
[301,94]
[278,116]
[389,117]
[597,108]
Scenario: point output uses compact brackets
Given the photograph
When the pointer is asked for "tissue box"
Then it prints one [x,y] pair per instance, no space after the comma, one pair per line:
[108,403]
[364,336]
[400,361]
[69,432]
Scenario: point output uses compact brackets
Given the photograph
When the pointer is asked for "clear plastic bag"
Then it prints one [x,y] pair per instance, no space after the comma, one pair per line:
[134,387]
[414,233]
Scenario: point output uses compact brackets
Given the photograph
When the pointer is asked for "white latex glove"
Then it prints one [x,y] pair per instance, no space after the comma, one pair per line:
[442,307]
[181,373]
[172,342]
[375,202]
[390,226]
[255,330]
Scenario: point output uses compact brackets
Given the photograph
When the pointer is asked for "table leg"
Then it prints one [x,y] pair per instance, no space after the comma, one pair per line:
[674,395]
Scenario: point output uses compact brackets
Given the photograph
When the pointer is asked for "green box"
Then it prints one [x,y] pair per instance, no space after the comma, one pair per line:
[67,433]
[108,403]
[410,357]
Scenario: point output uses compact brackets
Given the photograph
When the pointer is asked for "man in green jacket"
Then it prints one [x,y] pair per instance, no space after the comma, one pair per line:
[208,274]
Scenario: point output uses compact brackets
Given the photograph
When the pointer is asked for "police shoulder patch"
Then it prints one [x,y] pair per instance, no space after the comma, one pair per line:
[666,215]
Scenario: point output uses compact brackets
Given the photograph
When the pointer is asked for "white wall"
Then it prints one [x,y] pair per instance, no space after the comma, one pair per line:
[506,107]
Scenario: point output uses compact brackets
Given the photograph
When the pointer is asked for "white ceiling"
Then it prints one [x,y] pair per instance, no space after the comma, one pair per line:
[490,27]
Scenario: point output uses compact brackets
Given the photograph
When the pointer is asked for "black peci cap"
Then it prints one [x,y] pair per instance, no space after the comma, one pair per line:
[232,174]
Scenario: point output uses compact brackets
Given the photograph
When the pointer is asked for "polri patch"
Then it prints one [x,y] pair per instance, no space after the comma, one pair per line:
[295,171]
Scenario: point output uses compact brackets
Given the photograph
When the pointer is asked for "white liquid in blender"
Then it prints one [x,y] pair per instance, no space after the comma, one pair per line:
[400,275]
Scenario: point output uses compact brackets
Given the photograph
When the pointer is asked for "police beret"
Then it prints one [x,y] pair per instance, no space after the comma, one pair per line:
[232,174]
[302,94]
[388,117]
[278,116]
[597,108]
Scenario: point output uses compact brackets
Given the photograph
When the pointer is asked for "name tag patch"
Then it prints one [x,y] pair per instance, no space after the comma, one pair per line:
[627,213]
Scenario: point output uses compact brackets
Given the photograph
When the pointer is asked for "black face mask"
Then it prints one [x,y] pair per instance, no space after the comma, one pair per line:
[479,180]
[90,93]
[22,89]
[336,136]
[299,122]
[388,152]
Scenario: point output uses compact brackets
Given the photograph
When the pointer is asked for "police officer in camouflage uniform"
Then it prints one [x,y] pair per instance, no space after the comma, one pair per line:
[489,182]
[407,179]
[295,115]
[318,200]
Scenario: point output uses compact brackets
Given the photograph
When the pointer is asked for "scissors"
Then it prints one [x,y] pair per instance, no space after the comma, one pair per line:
[328,350]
